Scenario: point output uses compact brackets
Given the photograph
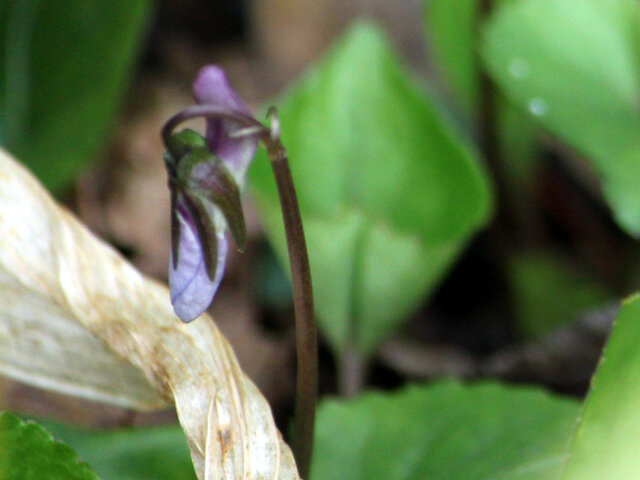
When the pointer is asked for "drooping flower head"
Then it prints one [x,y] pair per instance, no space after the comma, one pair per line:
[206,175]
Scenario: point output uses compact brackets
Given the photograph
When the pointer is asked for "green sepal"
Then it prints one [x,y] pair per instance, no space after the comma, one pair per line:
[206,231]
[183,142]
[175,228]
[213,183]
[218,187]
[225,194]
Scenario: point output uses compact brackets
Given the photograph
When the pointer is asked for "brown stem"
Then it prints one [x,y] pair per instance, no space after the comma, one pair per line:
[307,349]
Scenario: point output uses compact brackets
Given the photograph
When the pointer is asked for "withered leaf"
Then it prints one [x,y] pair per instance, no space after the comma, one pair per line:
[77,318]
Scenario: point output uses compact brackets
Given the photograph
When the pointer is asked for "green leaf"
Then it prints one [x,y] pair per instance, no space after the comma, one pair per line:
[388,194]
[574,66]
[446,431]
[27,452]
[549,292]
[151,453]
[607,439]
[63,69]
[451,29]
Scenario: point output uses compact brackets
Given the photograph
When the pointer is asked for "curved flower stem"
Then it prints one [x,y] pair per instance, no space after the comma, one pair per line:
[307,349]
[306,337]
[196,111]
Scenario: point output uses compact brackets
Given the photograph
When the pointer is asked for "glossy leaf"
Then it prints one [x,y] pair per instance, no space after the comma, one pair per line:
[452,30]
[27,452]
[446,431]
[607,438]
[151,453]
[388,194]
[573,65]
[63,69]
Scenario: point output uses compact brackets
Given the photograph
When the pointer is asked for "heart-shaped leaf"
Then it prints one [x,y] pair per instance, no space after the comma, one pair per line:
[389,195]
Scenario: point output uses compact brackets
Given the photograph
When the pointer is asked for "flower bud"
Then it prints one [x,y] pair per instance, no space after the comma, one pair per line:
[206,175]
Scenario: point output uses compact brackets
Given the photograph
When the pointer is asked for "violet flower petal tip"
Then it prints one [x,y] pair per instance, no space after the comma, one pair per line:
[192,290]
[212,87]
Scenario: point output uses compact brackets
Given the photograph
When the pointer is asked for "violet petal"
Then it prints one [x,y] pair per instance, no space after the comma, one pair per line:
[212,88]
[191,289]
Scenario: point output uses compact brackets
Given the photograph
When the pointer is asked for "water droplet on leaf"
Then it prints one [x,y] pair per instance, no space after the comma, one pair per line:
[519,68]
[538,107]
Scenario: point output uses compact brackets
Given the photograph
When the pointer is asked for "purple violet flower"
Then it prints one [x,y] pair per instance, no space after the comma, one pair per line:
[205,178]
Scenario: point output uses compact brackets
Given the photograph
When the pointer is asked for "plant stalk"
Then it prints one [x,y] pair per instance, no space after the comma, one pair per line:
[352,365]
[351,372]
[306,337]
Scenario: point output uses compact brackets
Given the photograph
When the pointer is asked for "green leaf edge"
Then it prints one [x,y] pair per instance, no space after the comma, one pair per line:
[9,422]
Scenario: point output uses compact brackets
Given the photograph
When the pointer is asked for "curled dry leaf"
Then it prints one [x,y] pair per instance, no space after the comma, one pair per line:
[77,318]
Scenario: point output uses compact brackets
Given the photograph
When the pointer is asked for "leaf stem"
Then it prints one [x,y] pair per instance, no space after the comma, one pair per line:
[352,365]
[351,372]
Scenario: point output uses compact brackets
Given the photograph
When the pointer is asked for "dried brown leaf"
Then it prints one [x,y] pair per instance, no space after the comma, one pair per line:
[77,318]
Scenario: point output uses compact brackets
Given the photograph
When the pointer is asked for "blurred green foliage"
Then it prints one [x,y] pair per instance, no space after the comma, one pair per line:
[445,431]
[452,30]
[151,453]
[607,437]
[27,452]
[574,67]
[389,195]
[64,67]
[549,292]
